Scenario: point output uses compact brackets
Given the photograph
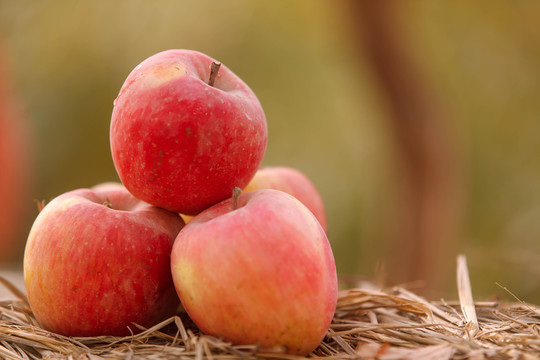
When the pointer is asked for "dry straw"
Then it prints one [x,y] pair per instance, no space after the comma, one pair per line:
[370,323]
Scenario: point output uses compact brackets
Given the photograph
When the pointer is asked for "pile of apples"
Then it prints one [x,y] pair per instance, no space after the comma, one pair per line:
[251,267]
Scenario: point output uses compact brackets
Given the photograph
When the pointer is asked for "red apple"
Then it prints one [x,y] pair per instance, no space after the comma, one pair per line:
[98,261]
[262,273]
[292,182]
[181,143]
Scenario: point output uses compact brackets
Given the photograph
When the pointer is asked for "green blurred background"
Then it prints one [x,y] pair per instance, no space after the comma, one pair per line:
[327,112]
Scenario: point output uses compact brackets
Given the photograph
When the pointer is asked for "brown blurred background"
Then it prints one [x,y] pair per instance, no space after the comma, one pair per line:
[418,121]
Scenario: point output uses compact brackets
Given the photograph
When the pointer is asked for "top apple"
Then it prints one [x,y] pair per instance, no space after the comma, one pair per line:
[181,140]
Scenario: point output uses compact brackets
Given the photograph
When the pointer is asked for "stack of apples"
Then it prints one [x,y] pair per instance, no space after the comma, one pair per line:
[254,267]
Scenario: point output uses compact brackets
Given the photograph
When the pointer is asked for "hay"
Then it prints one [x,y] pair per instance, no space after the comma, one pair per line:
[369,323]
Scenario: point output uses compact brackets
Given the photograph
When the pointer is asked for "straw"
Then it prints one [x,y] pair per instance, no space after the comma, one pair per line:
[369,323]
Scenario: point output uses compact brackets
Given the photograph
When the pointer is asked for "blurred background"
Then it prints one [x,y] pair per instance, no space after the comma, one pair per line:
[417,121]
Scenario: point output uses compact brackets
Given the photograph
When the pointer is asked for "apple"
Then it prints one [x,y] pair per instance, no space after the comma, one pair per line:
[185,131]
[293,182]
[97,261]
[258,270]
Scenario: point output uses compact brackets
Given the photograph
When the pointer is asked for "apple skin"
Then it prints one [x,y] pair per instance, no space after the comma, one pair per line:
[261,274]
[293,182]
[179,143]
[97,261]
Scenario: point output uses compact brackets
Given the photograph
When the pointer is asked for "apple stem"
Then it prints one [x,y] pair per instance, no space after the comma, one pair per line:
[40,204]
[235,195]
[214,69]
